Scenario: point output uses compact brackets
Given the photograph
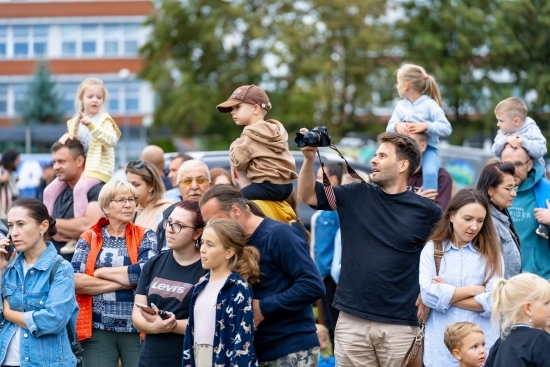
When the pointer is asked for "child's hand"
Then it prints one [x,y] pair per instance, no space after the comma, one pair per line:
[64,138]
[419,127]
[402,128]
[514,141]
[84,120]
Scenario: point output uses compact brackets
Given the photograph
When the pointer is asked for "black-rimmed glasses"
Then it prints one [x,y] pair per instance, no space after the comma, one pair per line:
[175,227]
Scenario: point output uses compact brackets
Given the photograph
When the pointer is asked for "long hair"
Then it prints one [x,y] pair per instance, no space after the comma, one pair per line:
[420,81]
[509,296]
[486,241]
[492,175]
[9,157]
[150,175]
[246,261]
[78,101]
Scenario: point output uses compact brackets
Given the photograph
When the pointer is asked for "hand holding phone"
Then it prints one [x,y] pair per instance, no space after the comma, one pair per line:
[146,309]
[6,246]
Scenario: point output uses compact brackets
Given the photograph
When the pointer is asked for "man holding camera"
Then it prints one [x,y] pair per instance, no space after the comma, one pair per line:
[381,246]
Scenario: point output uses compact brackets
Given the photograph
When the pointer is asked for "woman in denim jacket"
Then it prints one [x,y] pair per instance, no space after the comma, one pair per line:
[33,323]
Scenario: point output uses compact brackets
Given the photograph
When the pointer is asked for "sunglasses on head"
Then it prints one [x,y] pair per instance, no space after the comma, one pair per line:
[136,164]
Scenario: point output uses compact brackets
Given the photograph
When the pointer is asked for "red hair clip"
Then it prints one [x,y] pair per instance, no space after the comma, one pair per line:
[425,76]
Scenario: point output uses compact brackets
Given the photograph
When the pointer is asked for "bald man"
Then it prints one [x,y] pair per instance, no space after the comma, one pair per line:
[155,155]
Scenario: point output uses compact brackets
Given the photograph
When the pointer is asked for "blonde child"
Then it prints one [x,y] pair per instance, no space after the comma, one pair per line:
[522,307]
[518,130]
[262,149]
[98,133]
[466,342]
[220,329]
[420,111]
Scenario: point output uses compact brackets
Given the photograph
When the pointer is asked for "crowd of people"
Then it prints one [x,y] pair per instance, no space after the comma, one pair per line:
[208,267]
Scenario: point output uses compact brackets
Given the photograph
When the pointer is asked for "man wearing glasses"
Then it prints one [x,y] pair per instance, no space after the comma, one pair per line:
[192,181]
[530,211]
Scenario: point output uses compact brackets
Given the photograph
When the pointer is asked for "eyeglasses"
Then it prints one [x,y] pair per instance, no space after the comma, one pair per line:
[511,189]
[175,227]
[519,164]
[122,201]
[136,164]
[188,181]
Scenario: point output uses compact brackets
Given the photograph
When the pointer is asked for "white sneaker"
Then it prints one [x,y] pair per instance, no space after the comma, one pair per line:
[69,247]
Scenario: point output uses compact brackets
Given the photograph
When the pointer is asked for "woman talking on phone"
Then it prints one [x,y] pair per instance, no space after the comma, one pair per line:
[36,309]
[166,285]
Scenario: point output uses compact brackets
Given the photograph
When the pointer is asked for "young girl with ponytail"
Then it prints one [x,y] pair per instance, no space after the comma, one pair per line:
[522,307]
[221,319]
[420,112]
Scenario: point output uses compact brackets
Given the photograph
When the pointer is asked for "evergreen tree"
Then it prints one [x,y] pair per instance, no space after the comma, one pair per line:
[42,104]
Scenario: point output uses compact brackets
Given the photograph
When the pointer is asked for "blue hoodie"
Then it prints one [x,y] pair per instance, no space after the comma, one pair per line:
[535,250]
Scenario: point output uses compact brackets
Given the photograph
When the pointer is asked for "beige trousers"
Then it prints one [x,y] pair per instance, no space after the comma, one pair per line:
[203,355]
[364,343]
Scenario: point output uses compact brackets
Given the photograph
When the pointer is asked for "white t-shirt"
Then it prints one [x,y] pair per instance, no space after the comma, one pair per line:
[13,354]
[204,312]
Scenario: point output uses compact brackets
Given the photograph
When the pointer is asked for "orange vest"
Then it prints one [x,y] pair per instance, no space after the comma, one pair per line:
[134,235]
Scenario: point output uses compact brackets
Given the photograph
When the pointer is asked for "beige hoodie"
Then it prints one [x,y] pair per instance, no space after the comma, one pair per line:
[262,151]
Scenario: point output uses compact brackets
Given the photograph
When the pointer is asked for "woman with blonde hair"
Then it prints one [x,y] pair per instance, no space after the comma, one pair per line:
[149,192]
[107,263]
[221,322]
[522,307]
[471,262]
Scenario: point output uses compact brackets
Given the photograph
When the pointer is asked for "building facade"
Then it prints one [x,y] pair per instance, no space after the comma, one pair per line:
[78,39]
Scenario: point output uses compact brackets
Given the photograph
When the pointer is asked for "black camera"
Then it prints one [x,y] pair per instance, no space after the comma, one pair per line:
[317,137]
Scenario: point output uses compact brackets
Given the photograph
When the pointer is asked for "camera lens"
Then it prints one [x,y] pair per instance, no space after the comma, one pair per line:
[309,139]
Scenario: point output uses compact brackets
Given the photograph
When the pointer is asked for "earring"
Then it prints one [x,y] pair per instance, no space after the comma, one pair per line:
[530,320]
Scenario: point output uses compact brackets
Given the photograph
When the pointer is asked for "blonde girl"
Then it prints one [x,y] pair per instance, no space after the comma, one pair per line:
[98,133]
[522,307]
[420,111]
[221,320]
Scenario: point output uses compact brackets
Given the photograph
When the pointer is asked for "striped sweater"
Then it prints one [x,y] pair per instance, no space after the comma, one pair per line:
[100,158]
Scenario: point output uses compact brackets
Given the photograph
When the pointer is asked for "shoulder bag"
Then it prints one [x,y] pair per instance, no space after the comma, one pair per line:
[415,354]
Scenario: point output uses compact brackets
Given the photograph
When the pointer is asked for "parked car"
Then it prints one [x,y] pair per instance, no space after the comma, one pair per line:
[220,159]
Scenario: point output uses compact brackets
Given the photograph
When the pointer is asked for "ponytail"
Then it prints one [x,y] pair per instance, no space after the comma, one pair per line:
[248,265]
[498,288]
[432,90]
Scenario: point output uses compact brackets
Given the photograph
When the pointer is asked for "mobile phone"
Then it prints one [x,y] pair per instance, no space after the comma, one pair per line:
[9,248]
[164,315]
[145,308]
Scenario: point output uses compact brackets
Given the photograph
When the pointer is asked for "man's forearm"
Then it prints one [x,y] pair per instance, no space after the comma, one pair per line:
[74,227]
[306,182]
[85,284]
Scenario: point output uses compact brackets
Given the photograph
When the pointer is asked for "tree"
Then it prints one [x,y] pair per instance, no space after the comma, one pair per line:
[199,52]
[451,39]
[42,104]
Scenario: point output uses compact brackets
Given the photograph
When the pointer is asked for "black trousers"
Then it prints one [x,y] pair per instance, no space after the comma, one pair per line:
[267,191]
[330,314]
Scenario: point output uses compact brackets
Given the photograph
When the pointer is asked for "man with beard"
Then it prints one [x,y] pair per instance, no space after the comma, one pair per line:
[383,227]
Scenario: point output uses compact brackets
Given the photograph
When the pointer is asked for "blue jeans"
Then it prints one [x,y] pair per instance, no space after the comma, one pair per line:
[430,168]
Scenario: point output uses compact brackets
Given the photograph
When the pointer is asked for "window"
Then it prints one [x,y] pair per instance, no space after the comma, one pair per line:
[40,40]
[20,96]
[21,41]
[111,35]
[3,41]
[132,97]
[3,99]
[131,32]
[114,96]
[69,37]
[89,39]
[68,93]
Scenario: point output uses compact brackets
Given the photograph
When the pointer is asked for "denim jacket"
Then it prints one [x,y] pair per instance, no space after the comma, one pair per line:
[46,342]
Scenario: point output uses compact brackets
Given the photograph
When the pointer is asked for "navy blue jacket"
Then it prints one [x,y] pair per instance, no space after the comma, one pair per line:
[289,284]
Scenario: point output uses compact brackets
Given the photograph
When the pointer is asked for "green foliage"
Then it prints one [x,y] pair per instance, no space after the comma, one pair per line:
[42,104]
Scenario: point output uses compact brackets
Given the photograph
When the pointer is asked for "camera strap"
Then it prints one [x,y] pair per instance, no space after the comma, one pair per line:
[329,192]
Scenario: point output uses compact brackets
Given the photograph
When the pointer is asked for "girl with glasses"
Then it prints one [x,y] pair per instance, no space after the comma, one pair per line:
[166,284]
[496,183]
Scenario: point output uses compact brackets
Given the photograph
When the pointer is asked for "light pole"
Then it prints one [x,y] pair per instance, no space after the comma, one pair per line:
[124,75]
